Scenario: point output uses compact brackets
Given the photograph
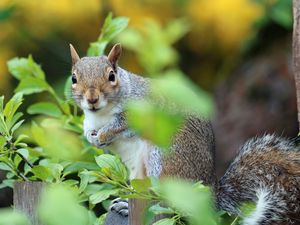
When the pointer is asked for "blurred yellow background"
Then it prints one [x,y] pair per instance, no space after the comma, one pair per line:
[217,28]
[239,50]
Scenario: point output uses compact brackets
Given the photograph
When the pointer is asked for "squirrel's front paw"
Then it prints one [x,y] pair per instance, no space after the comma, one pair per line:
[90,134]
[120,206]
[97,138]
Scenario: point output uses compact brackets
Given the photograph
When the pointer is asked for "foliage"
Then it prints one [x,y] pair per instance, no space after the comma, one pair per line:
[153,43]
[110,29]
[51,147]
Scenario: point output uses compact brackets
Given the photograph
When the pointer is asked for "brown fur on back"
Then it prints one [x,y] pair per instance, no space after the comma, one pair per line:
[192,153]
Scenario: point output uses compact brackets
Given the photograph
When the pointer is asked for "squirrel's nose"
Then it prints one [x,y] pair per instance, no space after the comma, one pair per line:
[92,100]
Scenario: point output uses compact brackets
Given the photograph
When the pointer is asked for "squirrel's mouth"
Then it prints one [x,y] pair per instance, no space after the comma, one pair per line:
[93,109]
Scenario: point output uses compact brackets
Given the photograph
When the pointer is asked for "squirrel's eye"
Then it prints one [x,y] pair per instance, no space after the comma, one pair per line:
[74,80]
[111,76]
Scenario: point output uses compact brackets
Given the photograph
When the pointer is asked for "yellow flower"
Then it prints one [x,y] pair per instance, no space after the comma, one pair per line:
[230,22]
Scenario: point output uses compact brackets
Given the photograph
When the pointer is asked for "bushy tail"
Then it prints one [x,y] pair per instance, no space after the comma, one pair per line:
[263,209]
[266,171]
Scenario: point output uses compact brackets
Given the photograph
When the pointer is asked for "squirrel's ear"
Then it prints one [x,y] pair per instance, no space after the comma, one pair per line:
[114,55]
[75,57]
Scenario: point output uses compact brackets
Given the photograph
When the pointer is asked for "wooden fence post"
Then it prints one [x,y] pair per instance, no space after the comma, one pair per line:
[296,52]
[136,211]
[26,198]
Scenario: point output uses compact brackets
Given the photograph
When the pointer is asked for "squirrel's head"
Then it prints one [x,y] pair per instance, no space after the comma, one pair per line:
[95,80]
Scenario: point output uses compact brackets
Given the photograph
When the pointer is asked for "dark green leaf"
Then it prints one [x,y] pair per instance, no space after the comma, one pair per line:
[6,12]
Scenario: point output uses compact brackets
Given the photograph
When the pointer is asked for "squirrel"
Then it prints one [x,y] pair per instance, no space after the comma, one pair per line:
[266,170]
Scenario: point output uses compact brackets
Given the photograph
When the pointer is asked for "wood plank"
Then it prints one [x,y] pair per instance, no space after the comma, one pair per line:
[26,198]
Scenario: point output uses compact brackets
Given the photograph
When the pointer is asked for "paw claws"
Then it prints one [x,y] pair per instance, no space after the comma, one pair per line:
[120,206]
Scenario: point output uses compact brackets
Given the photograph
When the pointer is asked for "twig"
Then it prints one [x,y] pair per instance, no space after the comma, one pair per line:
[25,160]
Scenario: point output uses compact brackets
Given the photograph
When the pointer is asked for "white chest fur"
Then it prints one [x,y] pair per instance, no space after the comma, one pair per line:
[96,120]
[134,151]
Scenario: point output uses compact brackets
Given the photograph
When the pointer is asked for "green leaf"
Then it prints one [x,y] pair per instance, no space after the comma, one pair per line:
[112,167]
[176,29]
[1,104]
[24,152]
[97,48]
[85,178]
[16,126]
[76,167]
[157,209]
[56,170]
[14,119]
[71,182]
[200,202]
[110,28]
[2,142]
[20,138]
[30,85]
[281,13]
[175,88]
[248,208]
[4,166]
[45,108]
[38,134]
[67,89]
[160,126]
[59,205]
[12,217]
[7,183]
[141,185]
[22,68]
[6,12]
[42,172]
[102,195]
[165,221]
[35,69]
[12,106]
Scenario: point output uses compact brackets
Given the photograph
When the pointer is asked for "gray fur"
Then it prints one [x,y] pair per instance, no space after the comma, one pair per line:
[271,164]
